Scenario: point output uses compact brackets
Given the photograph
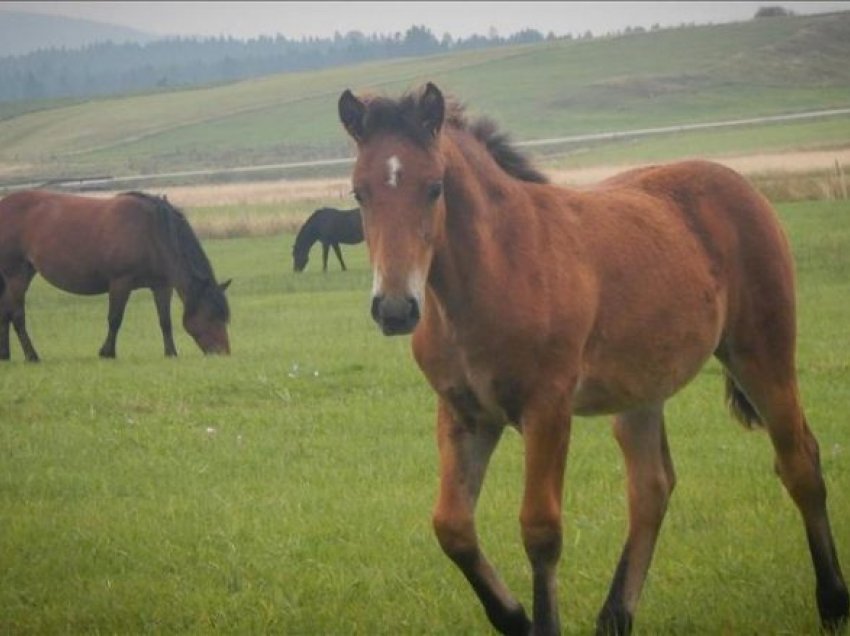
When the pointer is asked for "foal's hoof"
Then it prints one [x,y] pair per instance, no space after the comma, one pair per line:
[107,355]
[613,622]
[834,610]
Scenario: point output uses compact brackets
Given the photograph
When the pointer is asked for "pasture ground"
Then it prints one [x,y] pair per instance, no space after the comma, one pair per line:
[288,488]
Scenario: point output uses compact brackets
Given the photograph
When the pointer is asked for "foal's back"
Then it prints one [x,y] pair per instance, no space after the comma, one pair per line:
[732,228]
[686,260]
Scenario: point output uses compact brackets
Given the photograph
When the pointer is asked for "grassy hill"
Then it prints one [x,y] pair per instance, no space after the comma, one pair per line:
[676,76]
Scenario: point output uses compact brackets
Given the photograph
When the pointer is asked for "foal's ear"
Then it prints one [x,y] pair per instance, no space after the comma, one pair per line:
[351,112]
[432,109]
[223,286]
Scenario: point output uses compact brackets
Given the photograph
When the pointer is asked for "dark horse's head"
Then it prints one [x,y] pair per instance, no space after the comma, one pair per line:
[299,258]
[307,235]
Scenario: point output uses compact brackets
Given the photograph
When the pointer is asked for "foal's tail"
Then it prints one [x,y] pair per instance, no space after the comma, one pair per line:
[741,407]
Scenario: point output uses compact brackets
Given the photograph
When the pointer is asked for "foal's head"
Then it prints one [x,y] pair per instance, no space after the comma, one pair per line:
[398,182]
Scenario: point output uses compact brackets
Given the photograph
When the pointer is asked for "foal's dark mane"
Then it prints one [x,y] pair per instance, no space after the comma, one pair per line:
[184,244]
[400,116]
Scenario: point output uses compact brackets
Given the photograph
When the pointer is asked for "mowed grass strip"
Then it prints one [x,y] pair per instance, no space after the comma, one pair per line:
[288,487]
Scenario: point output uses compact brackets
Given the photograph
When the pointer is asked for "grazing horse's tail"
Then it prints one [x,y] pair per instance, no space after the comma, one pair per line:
[741,407]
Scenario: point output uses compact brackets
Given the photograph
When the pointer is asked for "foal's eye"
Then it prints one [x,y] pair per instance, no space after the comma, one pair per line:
[434,191]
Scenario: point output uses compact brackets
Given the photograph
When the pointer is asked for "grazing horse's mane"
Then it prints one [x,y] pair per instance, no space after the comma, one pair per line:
[186,246]
[401,116]
[306,235]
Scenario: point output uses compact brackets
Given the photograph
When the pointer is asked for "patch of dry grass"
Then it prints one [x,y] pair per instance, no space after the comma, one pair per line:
[265,208]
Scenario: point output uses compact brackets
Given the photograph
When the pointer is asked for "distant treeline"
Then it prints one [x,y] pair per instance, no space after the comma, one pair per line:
[107,68]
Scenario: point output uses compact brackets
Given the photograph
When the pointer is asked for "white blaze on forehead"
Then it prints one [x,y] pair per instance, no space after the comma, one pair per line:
[393,170]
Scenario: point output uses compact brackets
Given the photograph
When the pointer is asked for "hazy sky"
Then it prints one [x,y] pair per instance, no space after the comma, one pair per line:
[294,19]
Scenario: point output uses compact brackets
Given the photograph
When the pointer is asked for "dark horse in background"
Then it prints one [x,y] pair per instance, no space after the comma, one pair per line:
[530,304]
[331,227]
[86,245]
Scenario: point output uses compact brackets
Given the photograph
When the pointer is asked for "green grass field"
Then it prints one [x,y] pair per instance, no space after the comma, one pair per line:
[561,88]
[288,487]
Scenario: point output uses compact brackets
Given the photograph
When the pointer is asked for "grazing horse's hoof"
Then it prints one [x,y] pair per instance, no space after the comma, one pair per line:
[107,355]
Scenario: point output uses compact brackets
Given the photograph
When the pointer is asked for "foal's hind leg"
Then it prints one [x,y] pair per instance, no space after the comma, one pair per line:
[651,479]
[775,398]
[119,293]
[12,310]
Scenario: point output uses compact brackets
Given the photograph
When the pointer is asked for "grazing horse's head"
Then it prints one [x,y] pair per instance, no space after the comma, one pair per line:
[299,259]
[398,182]
[206,316]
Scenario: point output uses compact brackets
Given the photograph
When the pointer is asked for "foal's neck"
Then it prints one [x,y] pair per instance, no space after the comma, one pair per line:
[487,212]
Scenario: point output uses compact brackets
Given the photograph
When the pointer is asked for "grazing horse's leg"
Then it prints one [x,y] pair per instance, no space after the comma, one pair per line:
[12,309]
[162,299]
[651,478]
[325,248]
[338,253]
[465,447]
[119,293]
[798,465]
[546,428]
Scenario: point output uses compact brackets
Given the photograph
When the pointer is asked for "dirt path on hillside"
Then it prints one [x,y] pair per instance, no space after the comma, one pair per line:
[336,191]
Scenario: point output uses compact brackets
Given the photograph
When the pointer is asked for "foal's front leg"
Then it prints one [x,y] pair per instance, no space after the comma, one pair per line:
[546,427]
[465,448]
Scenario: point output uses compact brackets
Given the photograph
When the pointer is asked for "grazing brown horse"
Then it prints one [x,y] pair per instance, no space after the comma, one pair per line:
[530,303]
[331,227]
[86,245]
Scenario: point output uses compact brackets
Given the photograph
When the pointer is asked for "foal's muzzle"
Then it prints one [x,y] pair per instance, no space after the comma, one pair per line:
[395,315]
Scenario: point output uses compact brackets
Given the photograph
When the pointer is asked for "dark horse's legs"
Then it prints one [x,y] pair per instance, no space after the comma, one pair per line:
[326,249]
[12,311]
[338,253]
[162,298]
[119,293]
